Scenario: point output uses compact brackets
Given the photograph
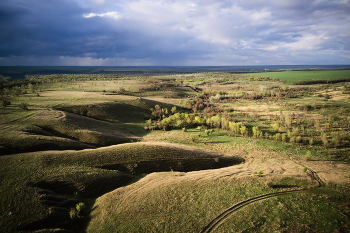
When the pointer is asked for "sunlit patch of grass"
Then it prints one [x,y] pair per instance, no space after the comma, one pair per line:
[292,213]
[294,76]
[176,204]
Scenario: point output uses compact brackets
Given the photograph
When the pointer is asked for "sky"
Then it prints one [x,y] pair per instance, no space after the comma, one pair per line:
[174,33]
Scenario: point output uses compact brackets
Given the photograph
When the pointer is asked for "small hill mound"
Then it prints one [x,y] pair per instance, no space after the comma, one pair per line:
[137,158]
[57,180]
[58,130]
[111,111]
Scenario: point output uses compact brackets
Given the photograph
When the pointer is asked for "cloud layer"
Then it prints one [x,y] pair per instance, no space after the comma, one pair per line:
[168,32]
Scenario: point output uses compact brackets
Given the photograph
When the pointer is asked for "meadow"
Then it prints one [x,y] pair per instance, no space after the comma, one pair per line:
[199,152]
[305,75]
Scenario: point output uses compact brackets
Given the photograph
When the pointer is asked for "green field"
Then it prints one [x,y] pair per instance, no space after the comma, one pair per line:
[295,76]
[172,153]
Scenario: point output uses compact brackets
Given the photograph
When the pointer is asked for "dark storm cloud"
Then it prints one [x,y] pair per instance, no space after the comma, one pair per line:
[45,28]
[164,32]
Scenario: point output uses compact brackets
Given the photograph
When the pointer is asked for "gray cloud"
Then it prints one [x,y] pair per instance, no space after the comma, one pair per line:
[164,32]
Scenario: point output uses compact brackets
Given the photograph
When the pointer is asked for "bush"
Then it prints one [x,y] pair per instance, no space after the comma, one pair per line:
[298,139]
[308,155]
[278,137]
[292,140]
[77,211]
[80,207]
[173,110]
[269,183]
[284,137]
[311,142]
[23,106]
[335,142]
[5,103]
[256,132]
[208,131]
[148,125]
[260,173]
[325,140]
[295,132]
[193,139]
[73,213]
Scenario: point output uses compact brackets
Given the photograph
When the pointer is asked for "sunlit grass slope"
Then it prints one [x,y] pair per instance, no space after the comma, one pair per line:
[178,202]
[52,129]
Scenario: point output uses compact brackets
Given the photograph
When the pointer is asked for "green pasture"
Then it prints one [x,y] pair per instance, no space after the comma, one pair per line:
[295,76]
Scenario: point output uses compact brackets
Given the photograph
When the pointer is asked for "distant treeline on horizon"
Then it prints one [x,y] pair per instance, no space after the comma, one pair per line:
[20,72]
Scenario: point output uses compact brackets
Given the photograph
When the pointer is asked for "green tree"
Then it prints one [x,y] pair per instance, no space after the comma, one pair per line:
[243,130]
[275,126]
[173,110]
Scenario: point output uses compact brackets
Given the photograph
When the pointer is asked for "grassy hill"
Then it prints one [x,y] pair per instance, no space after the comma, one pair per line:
[50,183]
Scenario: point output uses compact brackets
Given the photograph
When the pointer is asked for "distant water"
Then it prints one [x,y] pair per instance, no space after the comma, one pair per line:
[19,72]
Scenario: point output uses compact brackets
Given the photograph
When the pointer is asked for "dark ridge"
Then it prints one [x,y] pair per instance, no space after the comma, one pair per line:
[310,82]
[180,165]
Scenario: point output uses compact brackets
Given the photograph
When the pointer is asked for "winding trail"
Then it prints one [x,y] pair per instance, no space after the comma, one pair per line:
[224,215]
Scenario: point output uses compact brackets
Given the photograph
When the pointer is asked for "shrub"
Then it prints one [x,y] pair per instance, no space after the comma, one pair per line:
[269,183]
[80,207]
[173,110]
[266,135]
[284,137]
[23,106]
[335,142]
[243,130]
[278,137]
[256,132]
[193,139]
[325,142]
[308,155]
[260,173]
[208,131]
[148,124]
[77,211]
[73,213]
[292,140]
[275,127]
[295,132]
[5,103]
[298,139]
[311,142]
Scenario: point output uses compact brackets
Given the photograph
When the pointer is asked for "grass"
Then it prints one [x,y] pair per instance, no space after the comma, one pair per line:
[295,76]
[293,213]
[173,204]
[25,182]
[192,180]
[86,173]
